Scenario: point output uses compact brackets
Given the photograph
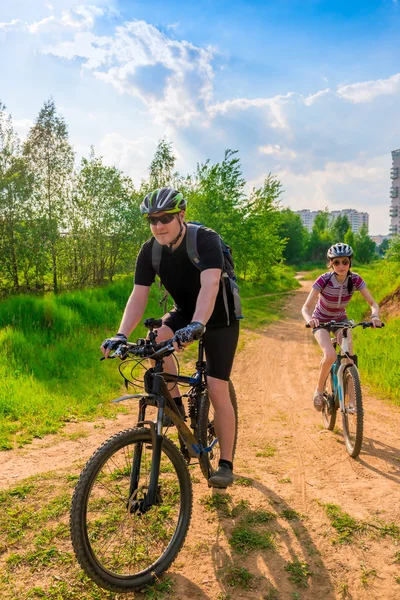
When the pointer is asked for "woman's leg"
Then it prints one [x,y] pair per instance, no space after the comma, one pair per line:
[329,356]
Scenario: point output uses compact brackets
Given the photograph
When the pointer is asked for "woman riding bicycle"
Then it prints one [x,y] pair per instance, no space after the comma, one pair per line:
[330,295]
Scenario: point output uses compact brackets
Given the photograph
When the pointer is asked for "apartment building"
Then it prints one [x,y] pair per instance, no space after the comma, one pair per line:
[394,211]
[356,219]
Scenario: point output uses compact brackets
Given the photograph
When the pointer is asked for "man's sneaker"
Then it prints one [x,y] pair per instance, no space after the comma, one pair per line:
[167,421]
[222,477]
[318,400]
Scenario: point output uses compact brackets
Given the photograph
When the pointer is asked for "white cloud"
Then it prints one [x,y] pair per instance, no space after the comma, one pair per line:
[81,17]
[367,91]
[309,100]
[274,107]
[131,156]
[277,150]
[14,25]
[172,78]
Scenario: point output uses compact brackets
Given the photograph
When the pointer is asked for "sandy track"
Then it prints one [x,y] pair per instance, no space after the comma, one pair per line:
[274,378]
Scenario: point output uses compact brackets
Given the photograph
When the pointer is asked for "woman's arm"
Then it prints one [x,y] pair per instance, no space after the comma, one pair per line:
[308,308]
[374,307]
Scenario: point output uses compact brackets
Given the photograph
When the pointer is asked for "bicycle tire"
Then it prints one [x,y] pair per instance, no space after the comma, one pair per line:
[329,407]
[353,415]
[112,552]
[206,431]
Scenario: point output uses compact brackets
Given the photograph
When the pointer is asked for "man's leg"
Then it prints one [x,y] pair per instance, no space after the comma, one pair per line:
[220,346]
[224,416]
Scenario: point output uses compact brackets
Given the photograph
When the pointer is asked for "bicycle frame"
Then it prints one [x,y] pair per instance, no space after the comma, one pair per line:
[338,368]
[160,396]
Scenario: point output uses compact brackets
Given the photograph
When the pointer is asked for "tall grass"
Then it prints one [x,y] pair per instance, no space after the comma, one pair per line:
[50,371]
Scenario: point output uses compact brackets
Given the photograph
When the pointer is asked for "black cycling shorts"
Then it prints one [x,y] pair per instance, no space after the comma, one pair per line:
[219,343]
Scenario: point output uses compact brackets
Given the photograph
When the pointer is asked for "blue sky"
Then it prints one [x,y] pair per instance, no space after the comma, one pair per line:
[307,90]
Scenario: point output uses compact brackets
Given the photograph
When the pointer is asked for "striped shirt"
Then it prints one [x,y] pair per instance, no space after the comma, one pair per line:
[334,297]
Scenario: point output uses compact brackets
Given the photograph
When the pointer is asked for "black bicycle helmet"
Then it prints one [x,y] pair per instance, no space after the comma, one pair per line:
[340,250]
[165,200]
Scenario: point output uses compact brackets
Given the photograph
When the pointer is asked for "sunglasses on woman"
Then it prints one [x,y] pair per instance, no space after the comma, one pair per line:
[344,262]
[165,219]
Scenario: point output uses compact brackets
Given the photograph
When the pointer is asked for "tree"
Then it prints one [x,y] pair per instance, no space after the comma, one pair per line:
[292,230]
[262,245]
[52,159]
[15,209]
[349,238]
[339,227]
[105,222]
[162,165]
[364,246]
[383,247]
[321,237]
[393,253]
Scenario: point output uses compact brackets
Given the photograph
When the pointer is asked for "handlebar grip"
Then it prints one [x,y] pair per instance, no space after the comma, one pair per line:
[308,326]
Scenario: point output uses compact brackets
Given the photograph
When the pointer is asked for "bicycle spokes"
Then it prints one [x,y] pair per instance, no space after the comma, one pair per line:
[124,537]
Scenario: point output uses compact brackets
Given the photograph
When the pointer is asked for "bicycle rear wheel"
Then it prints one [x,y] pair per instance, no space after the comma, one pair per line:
[118,546]
[329,407]
[206,430]
[353,414]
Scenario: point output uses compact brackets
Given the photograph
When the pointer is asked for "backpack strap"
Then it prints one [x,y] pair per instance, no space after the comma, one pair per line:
[191,243]
[191,248]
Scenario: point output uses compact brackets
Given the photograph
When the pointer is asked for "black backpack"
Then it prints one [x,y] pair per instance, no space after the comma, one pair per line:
[228,276]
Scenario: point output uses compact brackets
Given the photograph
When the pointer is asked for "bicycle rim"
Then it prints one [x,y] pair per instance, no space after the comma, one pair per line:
[329,406]
[119,547]
[207,433]
[353,412]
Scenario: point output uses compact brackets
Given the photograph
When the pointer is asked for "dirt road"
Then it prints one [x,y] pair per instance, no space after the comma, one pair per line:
[293,469]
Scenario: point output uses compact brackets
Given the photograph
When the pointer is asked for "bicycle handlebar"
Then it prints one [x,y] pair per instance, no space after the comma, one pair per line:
[347,325]
[143,349]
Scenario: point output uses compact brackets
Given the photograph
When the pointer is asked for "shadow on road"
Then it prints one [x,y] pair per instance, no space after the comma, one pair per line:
[292,542]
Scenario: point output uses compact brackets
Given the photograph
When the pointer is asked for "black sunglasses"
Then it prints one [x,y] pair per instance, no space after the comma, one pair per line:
[344,262]
[165,219]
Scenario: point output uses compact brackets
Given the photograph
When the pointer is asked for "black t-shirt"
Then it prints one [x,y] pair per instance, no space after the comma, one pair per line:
[181,278]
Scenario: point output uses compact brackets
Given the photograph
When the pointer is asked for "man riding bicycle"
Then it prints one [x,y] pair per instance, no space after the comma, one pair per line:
[198,301]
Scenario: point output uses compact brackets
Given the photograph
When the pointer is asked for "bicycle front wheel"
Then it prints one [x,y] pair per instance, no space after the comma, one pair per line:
[206,430]
[119,546]
[353,415]
[329,405]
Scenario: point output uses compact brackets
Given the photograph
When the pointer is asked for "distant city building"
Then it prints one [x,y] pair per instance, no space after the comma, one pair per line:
[394,211]
[307,217]
[356,219]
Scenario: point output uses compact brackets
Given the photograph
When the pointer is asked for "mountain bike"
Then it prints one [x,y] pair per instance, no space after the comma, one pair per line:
[343,388]
[132,504]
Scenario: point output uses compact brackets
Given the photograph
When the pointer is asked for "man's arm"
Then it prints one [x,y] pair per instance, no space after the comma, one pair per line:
[133,312]
[134,309]
[209,280]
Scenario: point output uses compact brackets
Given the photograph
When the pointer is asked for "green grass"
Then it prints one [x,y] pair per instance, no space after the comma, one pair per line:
[239,577]
[268,451]
[345,525]
[299,572]
[244,539]
[243,481]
